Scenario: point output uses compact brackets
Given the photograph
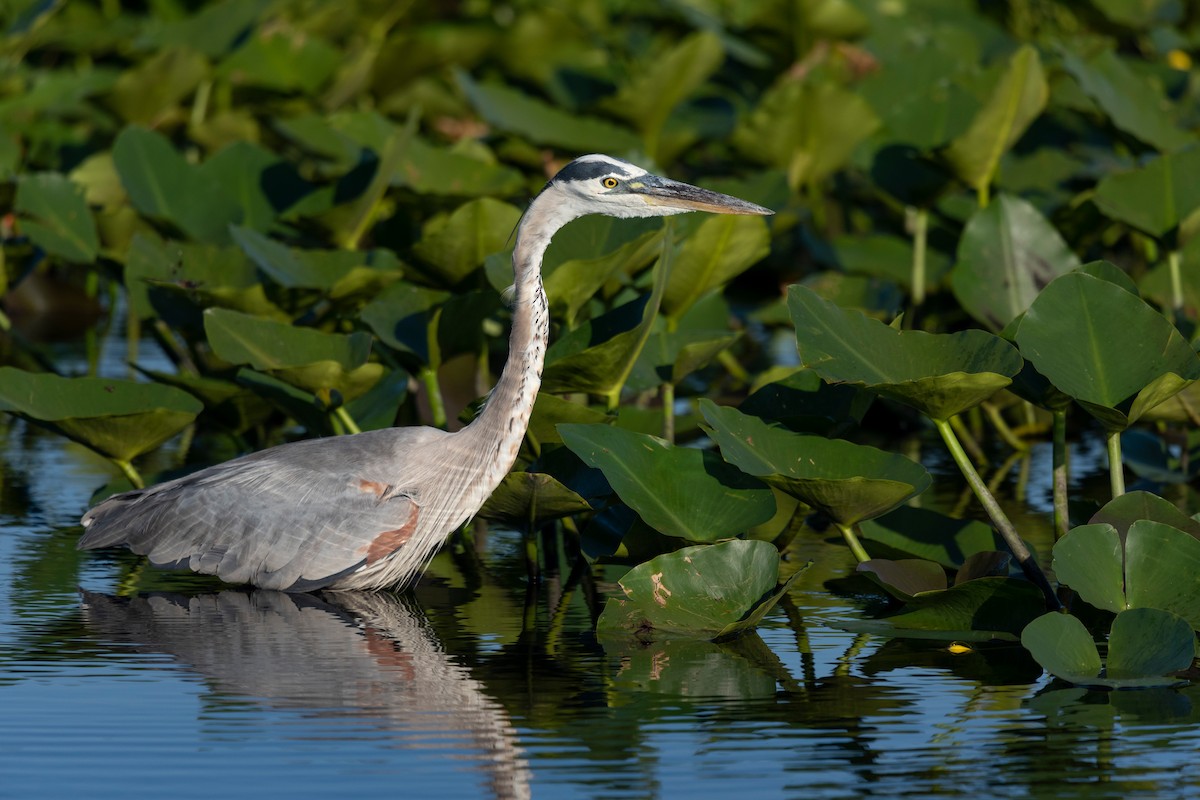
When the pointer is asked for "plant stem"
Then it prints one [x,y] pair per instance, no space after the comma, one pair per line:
[968,441]
[1176,270]
[347,421]
[1059,458]
[668,406]
[1007,531]
[851,538]
[1006,433]
[130,472]
[920,236]
[1116,468]
[433,392]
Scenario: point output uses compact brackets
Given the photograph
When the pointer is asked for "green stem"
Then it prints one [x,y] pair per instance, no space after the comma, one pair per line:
[433,392]
[1116,467]
[347,421]
[1061,515]
[968,441]
[1176,270]
[1005,527]
[130,472]
[920,236]
[851,538]
[1006,433]
[668,406]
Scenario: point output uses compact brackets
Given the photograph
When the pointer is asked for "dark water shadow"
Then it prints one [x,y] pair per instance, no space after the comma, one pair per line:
[368,655]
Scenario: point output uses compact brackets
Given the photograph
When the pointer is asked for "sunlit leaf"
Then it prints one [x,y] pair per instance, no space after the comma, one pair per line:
[681,491]
[454,246]
[721,248]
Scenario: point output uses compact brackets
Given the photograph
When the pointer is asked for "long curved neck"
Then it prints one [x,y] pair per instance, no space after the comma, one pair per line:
[502,422]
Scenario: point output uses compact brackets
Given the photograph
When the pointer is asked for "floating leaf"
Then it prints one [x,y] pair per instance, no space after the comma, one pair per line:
[1063,646]
[1014,104]
[56,217]
[1007,253]
[1089,560]
[905,578]
[680,491]
[985,604]
[1067,336]
[1162,570]
[1121,512]
[847,481]
[120,419]
[1149,642]
[939,374]
[714,591]
[927,534]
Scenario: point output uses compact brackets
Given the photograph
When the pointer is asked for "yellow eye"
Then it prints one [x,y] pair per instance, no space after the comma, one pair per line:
[609,182]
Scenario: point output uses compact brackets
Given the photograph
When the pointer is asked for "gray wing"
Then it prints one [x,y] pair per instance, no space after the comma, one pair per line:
[294,517]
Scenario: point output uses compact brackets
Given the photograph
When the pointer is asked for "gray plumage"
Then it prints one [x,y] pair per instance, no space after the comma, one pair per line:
[368,511]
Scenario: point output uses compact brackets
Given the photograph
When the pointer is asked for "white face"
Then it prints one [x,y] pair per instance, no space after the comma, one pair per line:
[603,184]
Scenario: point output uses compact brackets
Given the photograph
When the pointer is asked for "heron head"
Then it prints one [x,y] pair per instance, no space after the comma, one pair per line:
[599,184]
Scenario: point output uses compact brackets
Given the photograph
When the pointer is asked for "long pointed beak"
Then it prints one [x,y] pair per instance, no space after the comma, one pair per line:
[658,191]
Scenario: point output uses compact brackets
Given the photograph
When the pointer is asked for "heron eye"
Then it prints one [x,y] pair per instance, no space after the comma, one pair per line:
[609,182]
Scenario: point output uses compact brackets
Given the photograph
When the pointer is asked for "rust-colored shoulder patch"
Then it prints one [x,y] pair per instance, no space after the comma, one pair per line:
[373,487]
[388,542]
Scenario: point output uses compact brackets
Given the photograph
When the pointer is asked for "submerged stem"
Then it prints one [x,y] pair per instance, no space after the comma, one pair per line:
[1061,518]
[1007,531]
[1116,467]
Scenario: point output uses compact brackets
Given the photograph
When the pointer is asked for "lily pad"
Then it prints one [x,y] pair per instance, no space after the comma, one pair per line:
[711,591]
[1156,197]
[721,248]
[120,419]
[1067,336]
[1016,101]
[1007,253]
[1121,512]
[56,217]
[453,246]
[680,491]
[983,604]
[939,374]
[927,534]
[1146,644]
[532,498]
[847,481]
[906,578]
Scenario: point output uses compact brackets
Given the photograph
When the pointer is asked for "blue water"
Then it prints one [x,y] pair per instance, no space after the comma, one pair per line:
[120,682]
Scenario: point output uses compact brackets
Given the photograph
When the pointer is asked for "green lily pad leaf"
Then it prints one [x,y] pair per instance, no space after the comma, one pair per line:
[299,404]
[711,591]
[281,60]
[883,628]
[1018,99]
[1149,643]
[664,82]
[927,534]
[1007,253]
[550,410]
[680,491]
[540,123]
[1133,105]
[906,578]
[263,184]
[154,88]
[235,407]
[1121,512]
[1089,559]
[1156,197]
[669,357]
[338,272]
[1066,335]
[1063,646]
[401,317]
[1162,570]
[454,246]
[1111,273]
[571,284]
[939,374]
[161,184]
[986,604]
[532,498]
[55,216]
[847,481]
[120,419]
[720,249]
[436,170]
[808,128]
[984,564]
[803,402]
[267,344]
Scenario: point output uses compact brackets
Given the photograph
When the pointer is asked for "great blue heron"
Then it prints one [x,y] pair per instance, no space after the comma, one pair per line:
[368,511]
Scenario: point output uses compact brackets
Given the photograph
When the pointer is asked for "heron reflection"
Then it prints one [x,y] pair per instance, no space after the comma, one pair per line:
[368,654]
